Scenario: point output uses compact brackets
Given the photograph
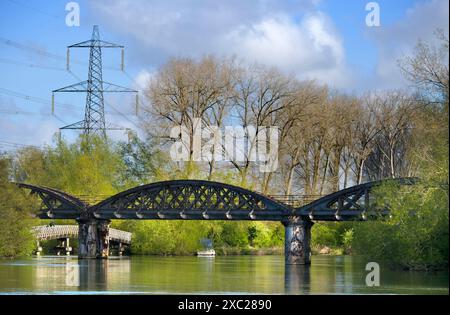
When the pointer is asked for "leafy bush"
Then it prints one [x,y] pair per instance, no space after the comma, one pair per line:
[416,236]
[15,219]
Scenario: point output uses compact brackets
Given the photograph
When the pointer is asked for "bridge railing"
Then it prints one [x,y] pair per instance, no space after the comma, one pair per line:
[295,201]
[49,232]
[119,235]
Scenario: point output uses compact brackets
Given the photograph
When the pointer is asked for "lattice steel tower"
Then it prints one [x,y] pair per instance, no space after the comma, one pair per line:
[94,117]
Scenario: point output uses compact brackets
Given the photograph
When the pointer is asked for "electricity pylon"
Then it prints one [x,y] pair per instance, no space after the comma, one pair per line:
[94,117]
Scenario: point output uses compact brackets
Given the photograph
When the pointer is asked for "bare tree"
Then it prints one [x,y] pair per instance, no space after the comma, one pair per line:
[184,90]
[395,114]
[260,95]
[428,69]
[306,95]
[365,130]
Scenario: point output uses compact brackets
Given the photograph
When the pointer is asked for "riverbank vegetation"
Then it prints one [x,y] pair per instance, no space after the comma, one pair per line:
[328,141]
[16,218]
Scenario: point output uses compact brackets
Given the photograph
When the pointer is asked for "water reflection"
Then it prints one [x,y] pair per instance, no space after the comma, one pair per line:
[297,279]
[93,275]
[104,275]
[219,275]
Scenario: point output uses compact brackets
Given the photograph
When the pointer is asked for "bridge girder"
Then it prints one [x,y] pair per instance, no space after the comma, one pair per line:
[206,200]
[353,203]
[190,200]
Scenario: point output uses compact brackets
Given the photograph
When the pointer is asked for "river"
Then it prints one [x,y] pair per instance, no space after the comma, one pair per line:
[219,275]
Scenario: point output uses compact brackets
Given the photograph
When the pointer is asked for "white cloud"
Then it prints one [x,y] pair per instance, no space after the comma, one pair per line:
[291,35]
[142,79]
[310,49]
[260,31]
[37,132]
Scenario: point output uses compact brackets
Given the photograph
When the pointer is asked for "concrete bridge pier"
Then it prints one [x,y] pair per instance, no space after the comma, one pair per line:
[297,242]
[93,238]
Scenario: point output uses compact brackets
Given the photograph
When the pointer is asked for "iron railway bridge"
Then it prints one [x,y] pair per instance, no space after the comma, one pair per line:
[205,200]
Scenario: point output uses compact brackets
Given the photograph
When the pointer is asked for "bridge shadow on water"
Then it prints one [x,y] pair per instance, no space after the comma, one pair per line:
[93,275]
[219,275]
[297,279]
[223,274]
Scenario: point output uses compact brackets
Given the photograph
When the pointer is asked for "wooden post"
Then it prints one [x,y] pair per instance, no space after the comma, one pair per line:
[297,247]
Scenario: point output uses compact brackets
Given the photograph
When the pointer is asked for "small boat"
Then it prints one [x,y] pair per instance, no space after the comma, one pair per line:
[206,253]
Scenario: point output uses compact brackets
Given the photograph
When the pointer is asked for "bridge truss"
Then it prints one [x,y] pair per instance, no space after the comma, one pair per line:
[206,200]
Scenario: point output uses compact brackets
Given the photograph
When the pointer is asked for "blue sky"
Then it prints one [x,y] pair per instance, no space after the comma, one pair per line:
[310,39]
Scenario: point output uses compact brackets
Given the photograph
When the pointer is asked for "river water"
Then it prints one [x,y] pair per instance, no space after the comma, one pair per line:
[219,275]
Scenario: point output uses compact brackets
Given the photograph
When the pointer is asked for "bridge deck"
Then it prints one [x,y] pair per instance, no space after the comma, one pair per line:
[46,232]
[206,200]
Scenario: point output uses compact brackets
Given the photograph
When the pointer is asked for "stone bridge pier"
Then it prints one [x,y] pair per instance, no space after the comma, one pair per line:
[93,238]
[297,242]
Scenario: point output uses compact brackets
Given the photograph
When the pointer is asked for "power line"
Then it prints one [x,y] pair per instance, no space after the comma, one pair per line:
[65,106]
[19,112]
[57,117]
[31,65]
[34,98]
[45,53]
[35,9]
[119,113]
[17,145]
[35,50]
[41,100]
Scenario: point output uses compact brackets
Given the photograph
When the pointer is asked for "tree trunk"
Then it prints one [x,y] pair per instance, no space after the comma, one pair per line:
[267,179]
[336,167]
[391,158]
[360,171]
[289,181]
[327,162]
[345,175]
[316,167]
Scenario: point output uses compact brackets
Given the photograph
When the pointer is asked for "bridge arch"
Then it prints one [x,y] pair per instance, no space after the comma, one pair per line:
[56,204]
[191,200]
[353,203]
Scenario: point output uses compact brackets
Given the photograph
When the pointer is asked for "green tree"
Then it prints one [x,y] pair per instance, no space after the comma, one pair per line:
[92,169]
[15,216]
[416,235]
